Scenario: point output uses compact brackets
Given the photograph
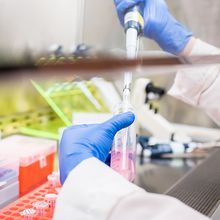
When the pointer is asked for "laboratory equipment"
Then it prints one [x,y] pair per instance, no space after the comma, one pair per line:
[51,199]
[123,153]
[71,96]
[54,183]
[8,181]
[42,122]
[40,207]
[28,214]
[54,180]
[105,88]
[148,118]
[133,25]
[153,123]
[153,148]
[35,200]
[35,155]
[9,193]
[65,98]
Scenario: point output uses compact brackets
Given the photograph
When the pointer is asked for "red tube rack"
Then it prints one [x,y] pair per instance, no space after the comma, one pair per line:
[13,211]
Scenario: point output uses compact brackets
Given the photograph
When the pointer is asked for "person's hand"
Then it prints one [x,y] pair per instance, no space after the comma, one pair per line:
[84,141]
[160,25]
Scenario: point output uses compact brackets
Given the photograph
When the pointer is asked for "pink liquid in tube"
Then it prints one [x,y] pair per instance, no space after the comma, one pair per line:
[124,163]
[123,153]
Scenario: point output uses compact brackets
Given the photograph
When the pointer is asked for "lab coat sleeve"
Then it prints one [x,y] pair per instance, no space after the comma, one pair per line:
[93,191]
[200,86]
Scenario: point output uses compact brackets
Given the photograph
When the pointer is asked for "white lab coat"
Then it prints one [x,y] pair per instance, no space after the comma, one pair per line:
[93,191]
[200,86]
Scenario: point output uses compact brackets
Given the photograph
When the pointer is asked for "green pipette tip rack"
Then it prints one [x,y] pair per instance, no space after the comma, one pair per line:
[68,97]
[46,130]
[64,99]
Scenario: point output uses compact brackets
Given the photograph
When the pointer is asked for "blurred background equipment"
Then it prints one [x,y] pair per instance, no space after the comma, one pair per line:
[72,22]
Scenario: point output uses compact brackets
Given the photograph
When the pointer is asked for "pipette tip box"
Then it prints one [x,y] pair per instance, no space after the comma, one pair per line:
[8,181]
[36,159]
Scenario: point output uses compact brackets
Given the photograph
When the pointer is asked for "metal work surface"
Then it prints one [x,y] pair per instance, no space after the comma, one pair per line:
[158,175]
[200,188]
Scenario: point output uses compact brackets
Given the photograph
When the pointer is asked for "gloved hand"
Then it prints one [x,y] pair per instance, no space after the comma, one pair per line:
[84,141]
[160,25]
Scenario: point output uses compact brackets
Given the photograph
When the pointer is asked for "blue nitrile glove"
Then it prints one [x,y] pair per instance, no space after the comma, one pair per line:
[160,25]
[84,141]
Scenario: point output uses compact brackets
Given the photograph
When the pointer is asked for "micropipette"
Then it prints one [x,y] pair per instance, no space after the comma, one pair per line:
[134,24]
[123,152]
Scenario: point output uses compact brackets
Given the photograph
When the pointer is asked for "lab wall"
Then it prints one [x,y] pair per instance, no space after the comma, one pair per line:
[35,25]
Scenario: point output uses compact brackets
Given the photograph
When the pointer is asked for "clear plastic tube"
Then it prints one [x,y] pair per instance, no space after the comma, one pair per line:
[28,214]
[123,154]
[40,207]
[51,200]
[54,180]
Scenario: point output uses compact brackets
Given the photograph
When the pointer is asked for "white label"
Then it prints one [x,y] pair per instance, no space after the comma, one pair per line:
[43,161]
[131,16]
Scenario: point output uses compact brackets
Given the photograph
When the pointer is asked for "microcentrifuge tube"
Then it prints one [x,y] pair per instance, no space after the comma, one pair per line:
[40,207]
[51,199]
[54,180]
[58,189]
[28,214]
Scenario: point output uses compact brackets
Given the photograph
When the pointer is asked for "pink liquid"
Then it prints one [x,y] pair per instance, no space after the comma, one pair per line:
[123,162]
